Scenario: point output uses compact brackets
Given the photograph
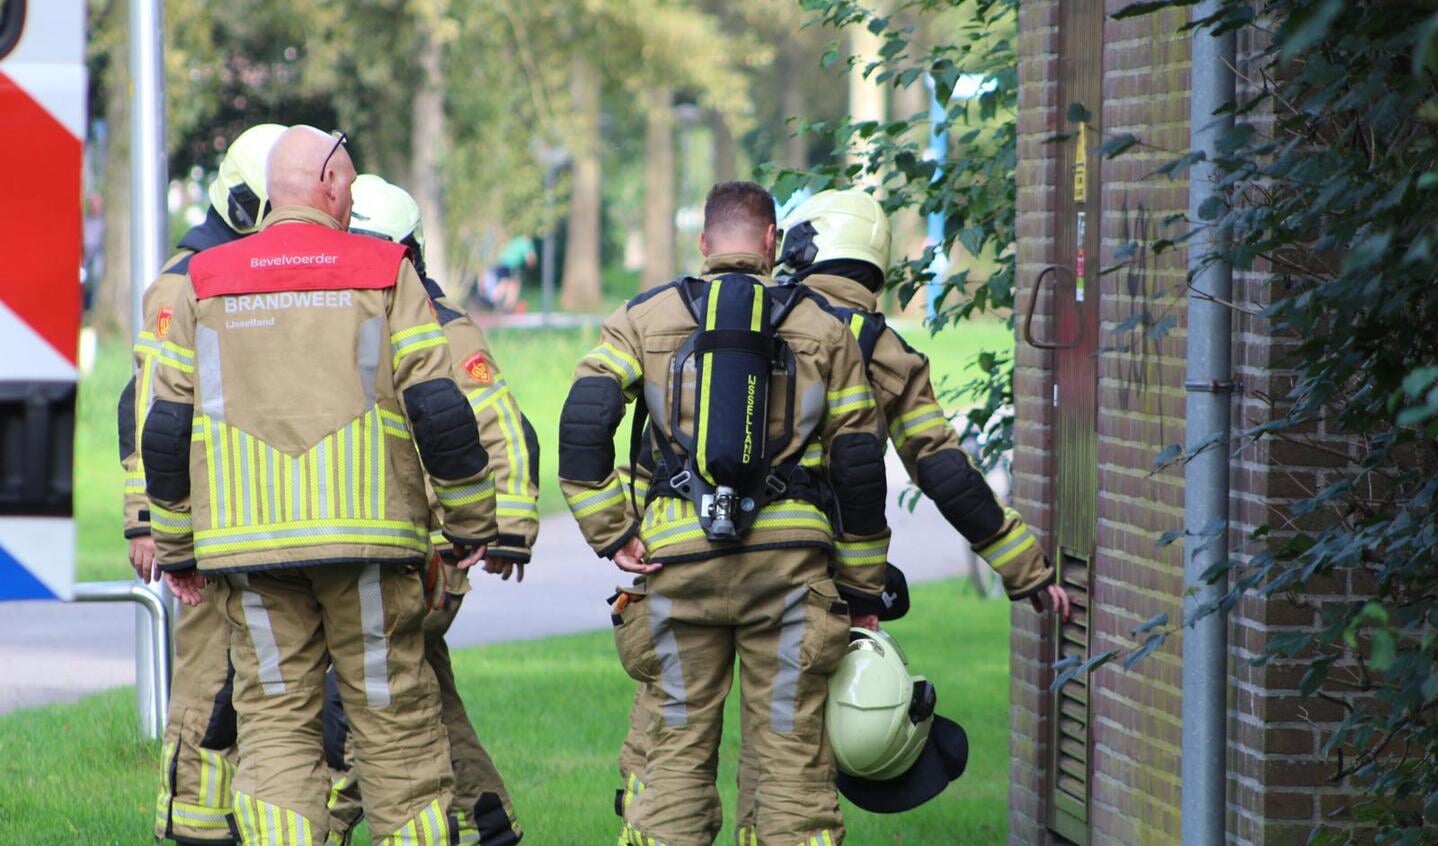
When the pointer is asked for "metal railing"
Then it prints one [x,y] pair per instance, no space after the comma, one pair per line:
[152,650]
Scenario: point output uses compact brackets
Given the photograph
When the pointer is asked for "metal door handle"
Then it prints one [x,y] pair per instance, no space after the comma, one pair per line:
[1051,270]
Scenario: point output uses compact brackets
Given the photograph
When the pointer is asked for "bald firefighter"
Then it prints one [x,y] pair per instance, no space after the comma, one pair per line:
[837,245]
[482,806]
[198,764]
[747,387]
[280,456]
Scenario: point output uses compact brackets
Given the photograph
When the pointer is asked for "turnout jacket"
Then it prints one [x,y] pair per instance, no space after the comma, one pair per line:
[136,396]
[507,436]
[929,446]
[302,368]
[835,417]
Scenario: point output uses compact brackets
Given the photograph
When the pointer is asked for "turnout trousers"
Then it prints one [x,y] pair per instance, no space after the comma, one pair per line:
[780,614]
[288,626]
[199,746]
[482,807]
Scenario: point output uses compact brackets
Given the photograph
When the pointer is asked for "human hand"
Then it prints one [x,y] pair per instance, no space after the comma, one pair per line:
[142,558]
[504,567]
[472,557]
[1052,598]
[631,557]
[187,586]
[865,621]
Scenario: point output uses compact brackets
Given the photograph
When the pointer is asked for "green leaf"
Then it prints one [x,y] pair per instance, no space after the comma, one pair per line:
[1147,7]
[1117,145]
[1307,25]
[1383,650]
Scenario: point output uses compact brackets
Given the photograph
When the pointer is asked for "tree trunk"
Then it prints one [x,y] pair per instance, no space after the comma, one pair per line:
[580,288]
[427,145]
[110,312]
[866,97]
[726,153]
[796,146]
[659,186]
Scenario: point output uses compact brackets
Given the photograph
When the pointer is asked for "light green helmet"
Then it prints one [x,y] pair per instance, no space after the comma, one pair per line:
[878,715]
[830,225]
[238,192]
[385,210]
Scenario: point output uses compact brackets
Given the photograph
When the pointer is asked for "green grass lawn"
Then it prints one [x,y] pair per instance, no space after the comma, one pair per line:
[552,712]
[538,363]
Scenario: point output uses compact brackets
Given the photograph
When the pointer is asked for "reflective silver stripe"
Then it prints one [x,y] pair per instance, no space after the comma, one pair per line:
[212,387]
[691,524]
[272,817]
[811,411]
[246,480]
[322,467]
[786,680]
[368,354]
[480,397]
[297,488]
[353,471]
[262,635]
[671,674]
[519,473]
[376,646]
[217,468]
[988,554]
[376,458]
[334,527]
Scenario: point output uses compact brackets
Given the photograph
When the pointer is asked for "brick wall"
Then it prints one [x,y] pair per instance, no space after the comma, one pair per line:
[1277,788]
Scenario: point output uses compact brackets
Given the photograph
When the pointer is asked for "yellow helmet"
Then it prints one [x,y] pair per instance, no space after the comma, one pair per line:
[848,224]
[238,192]
[385,210]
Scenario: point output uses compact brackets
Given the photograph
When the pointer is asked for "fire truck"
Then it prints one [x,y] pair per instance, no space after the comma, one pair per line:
[42,127]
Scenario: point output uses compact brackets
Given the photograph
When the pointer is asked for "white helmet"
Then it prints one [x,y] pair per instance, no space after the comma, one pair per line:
[878,715]
[385,210]
[894,753]
[238,191]
[848,224]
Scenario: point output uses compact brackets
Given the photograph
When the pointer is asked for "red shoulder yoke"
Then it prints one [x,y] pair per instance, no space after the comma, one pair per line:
[296,257]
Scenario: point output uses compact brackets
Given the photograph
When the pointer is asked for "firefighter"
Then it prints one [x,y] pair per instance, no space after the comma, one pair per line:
[198,764]
[482,806]
[837,244]
[748,388]
[303,369]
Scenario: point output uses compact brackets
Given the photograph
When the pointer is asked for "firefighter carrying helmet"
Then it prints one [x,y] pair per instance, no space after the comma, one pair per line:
[894,753]
[834,225]
[385,210]
[238,192]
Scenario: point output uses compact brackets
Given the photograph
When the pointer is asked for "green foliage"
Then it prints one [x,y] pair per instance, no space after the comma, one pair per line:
[973,189]
[1327,183]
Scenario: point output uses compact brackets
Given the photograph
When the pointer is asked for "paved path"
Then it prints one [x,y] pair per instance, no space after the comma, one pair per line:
[57,652]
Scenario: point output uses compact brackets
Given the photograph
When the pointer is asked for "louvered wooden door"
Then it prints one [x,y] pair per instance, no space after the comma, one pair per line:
[1076,323]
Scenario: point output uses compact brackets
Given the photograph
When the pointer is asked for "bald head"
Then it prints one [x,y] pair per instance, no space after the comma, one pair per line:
[293,176]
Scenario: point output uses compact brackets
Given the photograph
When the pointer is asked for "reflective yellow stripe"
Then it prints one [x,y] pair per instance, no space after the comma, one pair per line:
[924,417]
[455,496]
[849,399]
[335,790]
[412,340]
[169,354]
[705,364]
[618,362]
[1010,545]
[479,398]
[521,506]
[311,533]
[588,502]
[792,514]
[166,522]
[813,455]
[862,553]
[394,424]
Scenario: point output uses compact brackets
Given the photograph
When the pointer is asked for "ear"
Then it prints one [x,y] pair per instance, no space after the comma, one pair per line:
[704,244]
[771,237]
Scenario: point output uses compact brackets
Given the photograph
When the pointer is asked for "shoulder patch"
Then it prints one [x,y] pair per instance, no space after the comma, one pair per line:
[163,318]
[478,368]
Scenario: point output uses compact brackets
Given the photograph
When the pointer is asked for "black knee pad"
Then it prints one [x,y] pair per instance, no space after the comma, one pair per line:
[221,731]
[531,445]
[494,825]
[336,725]
[856,467]
[962,494]
[444,429]
[586,429]
[165,447]
[125,417]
